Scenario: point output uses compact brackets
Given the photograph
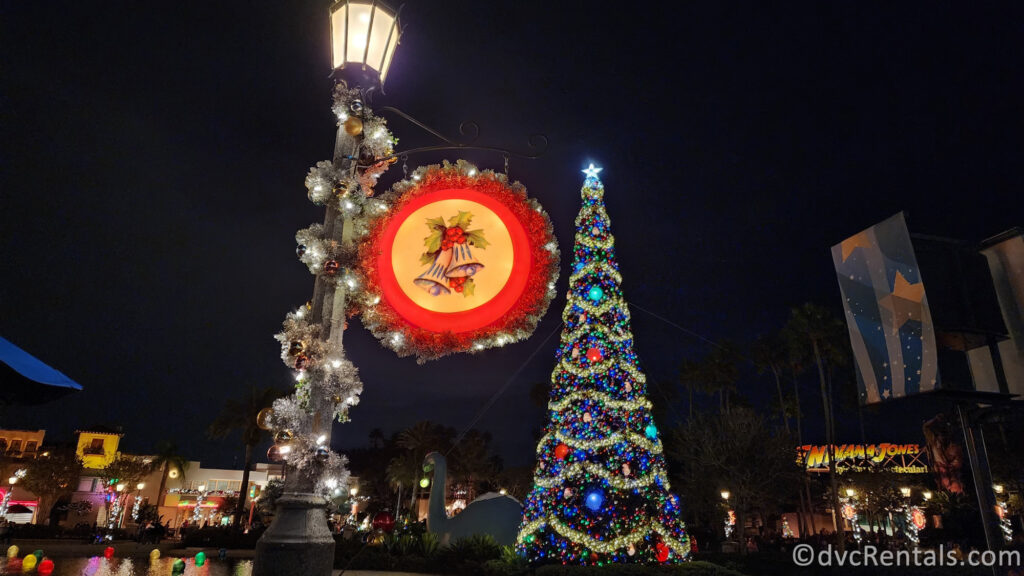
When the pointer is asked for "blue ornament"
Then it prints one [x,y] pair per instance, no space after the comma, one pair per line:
[651,431]
[595,293]
[594,500]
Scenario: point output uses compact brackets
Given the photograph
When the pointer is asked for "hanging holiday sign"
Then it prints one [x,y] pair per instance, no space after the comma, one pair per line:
[462,261]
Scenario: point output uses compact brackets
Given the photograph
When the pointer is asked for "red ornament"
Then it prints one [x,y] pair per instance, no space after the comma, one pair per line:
[384,522]
[662,551]
[561,451]
[108,552]
[45,567]
[14,565]
[301,362]
[274,454]
[331,267]
[594,355]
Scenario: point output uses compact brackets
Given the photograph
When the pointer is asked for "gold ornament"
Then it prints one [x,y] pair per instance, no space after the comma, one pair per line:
[353,126]
[263,418]
[336,399]
[284,436]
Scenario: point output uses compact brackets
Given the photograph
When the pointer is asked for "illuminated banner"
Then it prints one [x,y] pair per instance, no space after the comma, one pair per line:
[898,458]
[887,313]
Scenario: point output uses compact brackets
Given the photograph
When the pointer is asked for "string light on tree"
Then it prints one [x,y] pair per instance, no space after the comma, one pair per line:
[601,490]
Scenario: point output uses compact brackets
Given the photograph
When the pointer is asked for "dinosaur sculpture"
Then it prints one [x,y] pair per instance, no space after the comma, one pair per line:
[492,513]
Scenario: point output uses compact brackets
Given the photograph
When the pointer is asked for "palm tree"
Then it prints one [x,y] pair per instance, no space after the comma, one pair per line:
[819,328]
[167,457]
[770,356]
[471,461]
[241,415]
[691,376]
[418,440]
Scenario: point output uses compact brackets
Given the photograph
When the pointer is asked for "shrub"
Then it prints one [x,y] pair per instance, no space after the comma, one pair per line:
[221,537]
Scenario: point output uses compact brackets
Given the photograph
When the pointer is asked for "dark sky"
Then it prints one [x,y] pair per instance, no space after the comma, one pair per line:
[154,155]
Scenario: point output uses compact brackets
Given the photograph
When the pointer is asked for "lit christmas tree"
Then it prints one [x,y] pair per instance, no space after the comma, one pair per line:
[601,492]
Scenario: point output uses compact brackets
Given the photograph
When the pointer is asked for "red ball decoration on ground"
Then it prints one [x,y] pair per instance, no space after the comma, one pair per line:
[594,355]
[108,552]
[45,567]
[561,451]
[384,521]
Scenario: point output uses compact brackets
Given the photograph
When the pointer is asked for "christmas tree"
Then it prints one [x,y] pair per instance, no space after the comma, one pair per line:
[601,492]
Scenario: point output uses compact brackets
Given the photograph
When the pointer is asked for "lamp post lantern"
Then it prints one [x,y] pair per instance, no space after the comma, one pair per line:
[364,37]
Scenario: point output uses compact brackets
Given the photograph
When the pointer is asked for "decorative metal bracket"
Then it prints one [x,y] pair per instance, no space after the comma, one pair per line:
[538,143]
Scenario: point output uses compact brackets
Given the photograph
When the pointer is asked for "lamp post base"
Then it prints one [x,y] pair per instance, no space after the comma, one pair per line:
[298,541]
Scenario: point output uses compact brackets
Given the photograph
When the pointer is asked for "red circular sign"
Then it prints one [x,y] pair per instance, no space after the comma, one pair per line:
[471,318]
[462,261]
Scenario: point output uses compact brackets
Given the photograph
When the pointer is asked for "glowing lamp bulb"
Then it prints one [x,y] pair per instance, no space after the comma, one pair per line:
[424,482]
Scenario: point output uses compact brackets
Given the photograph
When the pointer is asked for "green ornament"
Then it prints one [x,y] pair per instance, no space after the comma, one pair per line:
[178,567]
[200,559]
[595,293]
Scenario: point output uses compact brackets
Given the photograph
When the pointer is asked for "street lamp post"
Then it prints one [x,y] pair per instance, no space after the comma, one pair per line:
[364,36]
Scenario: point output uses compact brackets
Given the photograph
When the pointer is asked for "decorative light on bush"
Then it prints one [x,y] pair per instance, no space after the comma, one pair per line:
[595,293]
[365,35]
[595,499]
[424,482]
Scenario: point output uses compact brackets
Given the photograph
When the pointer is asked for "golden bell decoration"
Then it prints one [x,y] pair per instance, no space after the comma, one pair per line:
[353,126]
[263,418]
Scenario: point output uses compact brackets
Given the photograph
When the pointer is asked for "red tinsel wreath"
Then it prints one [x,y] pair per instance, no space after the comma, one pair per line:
[389,317]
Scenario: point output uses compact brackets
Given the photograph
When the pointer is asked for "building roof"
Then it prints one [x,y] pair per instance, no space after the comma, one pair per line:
[101,429]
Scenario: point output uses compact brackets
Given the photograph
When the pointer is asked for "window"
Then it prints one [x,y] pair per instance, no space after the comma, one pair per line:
[15,446]
[30,446]
[95,447]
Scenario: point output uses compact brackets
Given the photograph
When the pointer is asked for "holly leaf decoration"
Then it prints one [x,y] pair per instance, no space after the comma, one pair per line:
[435,223]
[462,220]
[468,288]
[433,242]
[426,258]
[476,238]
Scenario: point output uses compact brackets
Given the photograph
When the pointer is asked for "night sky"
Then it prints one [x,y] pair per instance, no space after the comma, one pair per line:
[151,182]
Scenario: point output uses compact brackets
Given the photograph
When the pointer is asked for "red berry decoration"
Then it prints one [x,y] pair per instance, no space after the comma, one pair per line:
[331,267]
[594,355]
[561,451]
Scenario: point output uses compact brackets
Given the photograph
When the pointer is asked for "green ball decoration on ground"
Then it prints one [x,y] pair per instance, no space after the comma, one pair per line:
[178,567]
[200,559]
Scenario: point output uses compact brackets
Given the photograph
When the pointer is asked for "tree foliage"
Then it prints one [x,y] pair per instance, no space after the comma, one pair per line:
[51,477]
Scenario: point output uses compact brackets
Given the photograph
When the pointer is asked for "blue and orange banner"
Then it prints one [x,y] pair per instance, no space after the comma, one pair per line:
[890,325]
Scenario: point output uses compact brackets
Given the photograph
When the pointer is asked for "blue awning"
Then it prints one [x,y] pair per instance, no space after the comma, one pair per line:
[34,369]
